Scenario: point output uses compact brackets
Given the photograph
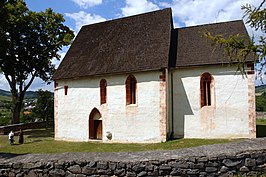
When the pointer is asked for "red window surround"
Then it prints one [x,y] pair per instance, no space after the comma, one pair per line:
[103,86]
[205,89]
[131,84]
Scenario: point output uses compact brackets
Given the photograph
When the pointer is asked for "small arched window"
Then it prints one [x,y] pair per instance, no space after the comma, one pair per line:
[66,89]
[205,89]
[131,83]
[103,85]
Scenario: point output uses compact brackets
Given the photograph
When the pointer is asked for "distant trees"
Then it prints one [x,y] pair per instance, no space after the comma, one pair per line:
[44,108]
[28,43]
[261,102]
[238,48]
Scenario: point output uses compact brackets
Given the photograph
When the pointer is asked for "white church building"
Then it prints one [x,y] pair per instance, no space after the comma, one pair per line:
[137,79]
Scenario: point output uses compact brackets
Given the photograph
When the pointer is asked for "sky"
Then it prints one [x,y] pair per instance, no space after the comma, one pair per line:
[185,13]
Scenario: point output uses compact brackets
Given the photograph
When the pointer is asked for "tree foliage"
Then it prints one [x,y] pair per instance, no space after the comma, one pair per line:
[44,108]
[28,43]
[237,47]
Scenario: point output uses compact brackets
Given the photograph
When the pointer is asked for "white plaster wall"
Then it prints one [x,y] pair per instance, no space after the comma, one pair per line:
[227,117]
[127,123]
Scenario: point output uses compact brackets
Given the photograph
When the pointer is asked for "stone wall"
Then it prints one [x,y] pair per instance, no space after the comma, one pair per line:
[241,158]
[4,130]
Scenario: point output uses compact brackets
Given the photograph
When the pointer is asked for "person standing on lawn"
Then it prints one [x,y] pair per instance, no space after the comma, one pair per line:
[20,137]
[11,137]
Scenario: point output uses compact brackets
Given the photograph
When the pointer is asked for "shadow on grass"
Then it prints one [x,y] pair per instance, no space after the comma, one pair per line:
[261,131]
[9,155]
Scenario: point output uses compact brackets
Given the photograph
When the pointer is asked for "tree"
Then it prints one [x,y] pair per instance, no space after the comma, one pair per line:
[28,43]
[237,47]
[44,108]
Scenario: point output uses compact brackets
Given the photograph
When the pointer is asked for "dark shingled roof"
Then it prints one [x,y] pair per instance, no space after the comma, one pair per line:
[140,43]
[135,43]
[194,49]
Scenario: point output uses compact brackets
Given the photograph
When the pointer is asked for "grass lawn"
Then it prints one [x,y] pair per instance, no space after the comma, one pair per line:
[41,141]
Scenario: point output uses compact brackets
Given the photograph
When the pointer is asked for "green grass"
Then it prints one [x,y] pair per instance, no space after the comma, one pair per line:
[41,141]
[5,98]
[261,121]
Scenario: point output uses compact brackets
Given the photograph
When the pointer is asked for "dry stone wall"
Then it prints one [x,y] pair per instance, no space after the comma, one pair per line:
[247,158]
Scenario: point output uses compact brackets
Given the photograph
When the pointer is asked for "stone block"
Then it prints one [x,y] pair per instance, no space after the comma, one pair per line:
[32,174]
[143,173]
[250,162]
[102,165]
[199,165]
[193,172]
[57,173]
[244,169]
[131,174]
[261,159]
[120,172]
[28,165]
[112,165]
[224,169]
[138,168]
[165,167]
[75,169]
[17,165]
[212,164]
[231,163]
[211,169]
[92,164]
[121,165]
[69,174]
[88,170]
[179,165]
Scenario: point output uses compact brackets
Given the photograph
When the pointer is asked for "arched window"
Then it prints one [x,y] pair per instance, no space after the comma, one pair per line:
[205,89]
[103,85]
[131,83]
[66,89]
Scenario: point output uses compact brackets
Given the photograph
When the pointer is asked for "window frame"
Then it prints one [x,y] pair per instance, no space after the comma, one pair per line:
[131,88]
[206,80]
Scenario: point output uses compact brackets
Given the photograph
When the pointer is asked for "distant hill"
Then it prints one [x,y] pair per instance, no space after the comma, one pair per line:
[29,94]
[260,88]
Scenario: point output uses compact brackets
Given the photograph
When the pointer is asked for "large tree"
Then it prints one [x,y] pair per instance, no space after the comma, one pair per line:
[238,48]
[28,43]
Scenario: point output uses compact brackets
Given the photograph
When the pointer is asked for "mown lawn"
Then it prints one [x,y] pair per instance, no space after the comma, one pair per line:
[41,141]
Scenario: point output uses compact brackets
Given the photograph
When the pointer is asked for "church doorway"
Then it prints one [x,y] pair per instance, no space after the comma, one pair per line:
[95,125]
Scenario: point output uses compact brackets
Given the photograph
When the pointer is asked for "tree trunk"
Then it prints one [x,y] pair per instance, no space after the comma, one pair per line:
[16,114]
[17,106]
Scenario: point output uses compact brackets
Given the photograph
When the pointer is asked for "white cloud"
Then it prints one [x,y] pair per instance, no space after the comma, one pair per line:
[82,18]
[3,83]
[195,12]
[138,6]
[87,3]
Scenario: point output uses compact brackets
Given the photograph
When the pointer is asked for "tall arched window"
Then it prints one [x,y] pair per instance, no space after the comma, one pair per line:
[205,89]
[131,83]
[103,85]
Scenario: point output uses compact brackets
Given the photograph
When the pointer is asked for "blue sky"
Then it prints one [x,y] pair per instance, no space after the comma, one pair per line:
[185,13]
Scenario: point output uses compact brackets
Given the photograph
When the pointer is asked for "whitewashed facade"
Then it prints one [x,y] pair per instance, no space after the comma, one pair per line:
[73,110]
[139,80]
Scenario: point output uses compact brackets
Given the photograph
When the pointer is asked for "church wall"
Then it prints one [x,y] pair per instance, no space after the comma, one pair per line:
[138,122]
[232,111]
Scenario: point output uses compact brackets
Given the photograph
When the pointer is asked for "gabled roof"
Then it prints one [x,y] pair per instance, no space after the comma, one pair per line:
[141,43]
[130,44]
[194,49]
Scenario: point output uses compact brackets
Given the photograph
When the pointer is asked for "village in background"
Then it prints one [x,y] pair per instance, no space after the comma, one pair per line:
[38,106]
